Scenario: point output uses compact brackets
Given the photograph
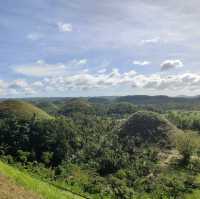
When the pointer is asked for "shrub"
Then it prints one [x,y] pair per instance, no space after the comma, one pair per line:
[186,144]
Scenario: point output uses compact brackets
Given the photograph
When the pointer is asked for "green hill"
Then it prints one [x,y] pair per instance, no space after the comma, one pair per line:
[48,107]
[32,186]
[145,127]
[10,190]
[77,105]
[22,110]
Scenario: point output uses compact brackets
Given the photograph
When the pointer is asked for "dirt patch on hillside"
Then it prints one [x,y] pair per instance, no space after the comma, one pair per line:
[9,190]
[167,157]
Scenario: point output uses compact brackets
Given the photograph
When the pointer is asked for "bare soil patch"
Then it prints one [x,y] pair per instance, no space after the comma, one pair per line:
[9,190]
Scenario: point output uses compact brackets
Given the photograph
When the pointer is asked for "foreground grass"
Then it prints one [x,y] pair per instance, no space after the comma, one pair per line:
[45,190]
[10,190]
[196,193]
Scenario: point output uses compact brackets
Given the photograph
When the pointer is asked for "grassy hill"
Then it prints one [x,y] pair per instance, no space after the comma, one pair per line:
[22,110]
[10,190]
[23,184]
[77,105]
[149,128]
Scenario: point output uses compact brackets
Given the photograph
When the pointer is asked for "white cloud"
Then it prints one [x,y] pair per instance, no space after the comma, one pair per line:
[38,84]
[2,87]
[103,81]
[171,64]
[80,62]
[151,41]
[43,69]
[21,87]
[64,27]
[130,79]
[141,63]
[58,78]
[34,36]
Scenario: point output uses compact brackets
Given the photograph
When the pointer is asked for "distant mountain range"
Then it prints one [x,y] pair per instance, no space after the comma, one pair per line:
[158,100]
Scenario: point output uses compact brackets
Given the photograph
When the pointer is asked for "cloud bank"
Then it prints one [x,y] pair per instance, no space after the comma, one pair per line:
[101,81]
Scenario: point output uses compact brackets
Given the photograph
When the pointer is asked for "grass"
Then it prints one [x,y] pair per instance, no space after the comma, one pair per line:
[196,193]
[9,190]
[22,110]
[43,189]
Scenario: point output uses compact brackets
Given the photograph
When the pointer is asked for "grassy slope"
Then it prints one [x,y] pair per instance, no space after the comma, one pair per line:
[9,190]
[22,110]
[195,194]
[45,190]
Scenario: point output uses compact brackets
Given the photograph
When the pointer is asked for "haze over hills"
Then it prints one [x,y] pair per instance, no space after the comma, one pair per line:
[124,97]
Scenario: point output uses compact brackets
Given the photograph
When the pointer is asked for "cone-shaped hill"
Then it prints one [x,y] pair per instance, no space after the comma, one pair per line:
[77,106]
[22,110]
[148,128]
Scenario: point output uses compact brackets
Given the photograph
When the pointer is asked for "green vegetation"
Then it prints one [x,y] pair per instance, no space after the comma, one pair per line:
[74,106]
[121,108]
[104,148]
[185,119]
[44,189]
[188,145]
[22,110]
[148,128]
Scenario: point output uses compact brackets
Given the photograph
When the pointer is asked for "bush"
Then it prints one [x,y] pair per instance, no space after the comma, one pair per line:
[47,157]
[23,156]
[186,144]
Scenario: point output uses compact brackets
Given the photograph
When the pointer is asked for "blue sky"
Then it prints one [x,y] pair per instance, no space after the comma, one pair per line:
[95,48]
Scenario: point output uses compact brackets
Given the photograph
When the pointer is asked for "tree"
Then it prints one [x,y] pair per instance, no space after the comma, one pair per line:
[47,157]
[119,189]
[23,156]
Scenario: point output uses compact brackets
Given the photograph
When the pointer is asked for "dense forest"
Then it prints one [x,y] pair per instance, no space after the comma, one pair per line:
[106,147]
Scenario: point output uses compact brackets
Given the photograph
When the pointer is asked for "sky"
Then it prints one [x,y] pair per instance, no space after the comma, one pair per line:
[75,48]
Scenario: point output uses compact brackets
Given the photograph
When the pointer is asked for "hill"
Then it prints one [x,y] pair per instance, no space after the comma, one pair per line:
[22,110]
[77,105]
[49,107]
[163,102]
[145,99]
[121,108]
[23,184]
[9,190]
[145,127]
